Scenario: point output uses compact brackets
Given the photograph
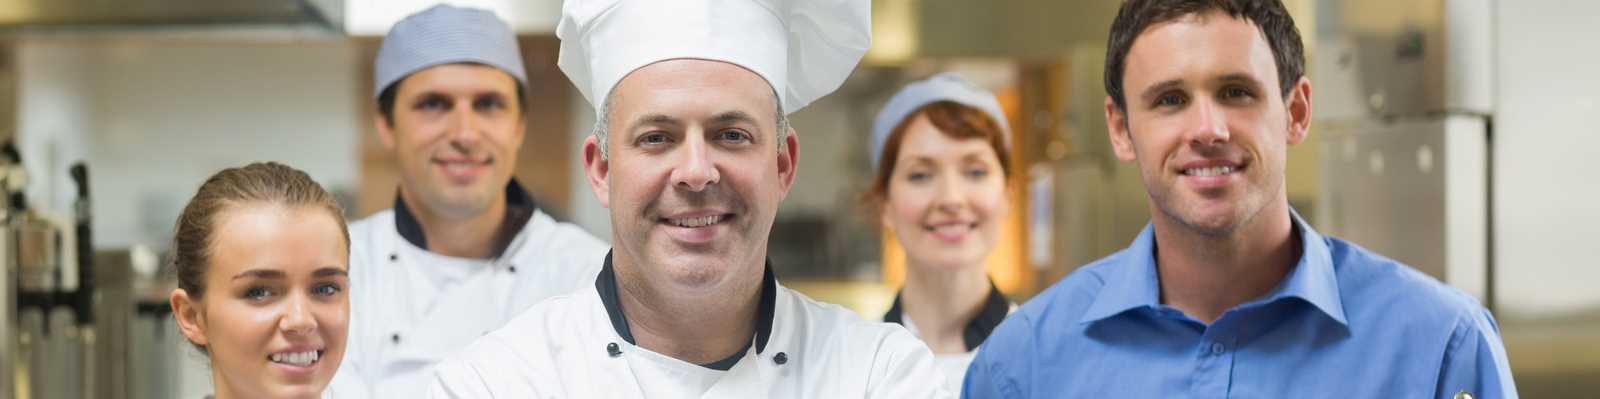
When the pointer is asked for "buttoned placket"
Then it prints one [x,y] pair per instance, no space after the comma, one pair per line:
[1214,353]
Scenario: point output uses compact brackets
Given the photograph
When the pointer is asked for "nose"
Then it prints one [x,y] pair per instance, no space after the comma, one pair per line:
[1208,125]
[465,128]
[695,170]
[948,196]
[297,318]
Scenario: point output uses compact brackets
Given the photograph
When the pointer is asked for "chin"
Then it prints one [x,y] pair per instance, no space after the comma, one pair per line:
[297,391]
[696,275]
[951,259]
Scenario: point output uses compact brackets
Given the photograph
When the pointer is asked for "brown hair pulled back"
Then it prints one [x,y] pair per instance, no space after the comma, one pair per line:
[257,183]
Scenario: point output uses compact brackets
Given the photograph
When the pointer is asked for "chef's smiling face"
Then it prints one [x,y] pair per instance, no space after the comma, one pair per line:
[695,172]
[456,131]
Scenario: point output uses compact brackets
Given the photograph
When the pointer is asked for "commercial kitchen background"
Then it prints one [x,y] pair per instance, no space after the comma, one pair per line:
[1457,135]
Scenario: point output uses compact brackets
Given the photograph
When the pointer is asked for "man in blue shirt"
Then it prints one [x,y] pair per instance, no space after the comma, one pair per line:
[1228,292]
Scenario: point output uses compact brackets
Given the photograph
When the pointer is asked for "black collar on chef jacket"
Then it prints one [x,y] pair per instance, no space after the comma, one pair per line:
[994,310]
[606,283]
[519,208]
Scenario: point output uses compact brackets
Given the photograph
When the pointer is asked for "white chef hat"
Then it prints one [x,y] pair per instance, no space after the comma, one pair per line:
[445,34]
[803,48]
[947,86]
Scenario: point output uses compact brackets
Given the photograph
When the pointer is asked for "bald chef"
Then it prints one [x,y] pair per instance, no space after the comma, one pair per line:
[692,154]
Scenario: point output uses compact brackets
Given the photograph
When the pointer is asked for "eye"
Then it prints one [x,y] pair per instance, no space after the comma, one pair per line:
[326,289]
[918,176]
[432,103]
[977,172]
[1170,100]
[1237,93]
[257,293]
[654,138]
[734,136]
[489,103]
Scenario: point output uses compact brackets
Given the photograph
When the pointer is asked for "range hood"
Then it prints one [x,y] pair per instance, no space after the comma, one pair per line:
[72,14]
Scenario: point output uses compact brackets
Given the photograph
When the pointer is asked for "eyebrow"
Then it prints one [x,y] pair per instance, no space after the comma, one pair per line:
[727,117]
[730,117]
[1156,89]
[1239,78]
[260,273]
[278,274]
[655,119]
[330,272]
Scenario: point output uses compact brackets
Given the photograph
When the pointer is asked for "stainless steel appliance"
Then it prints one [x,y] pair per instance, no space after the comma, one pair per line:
[1403,108]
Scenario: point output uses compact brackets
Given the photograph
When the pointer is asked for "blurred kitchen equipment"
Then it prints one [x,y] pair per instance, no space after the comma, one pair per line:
[1403,107]
[70,315]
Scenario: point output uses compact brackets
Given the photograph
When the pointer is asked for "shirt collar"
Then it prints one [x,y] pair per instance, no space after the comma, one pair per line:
[519,208]
[1133,282]
[995,308]
[606,284]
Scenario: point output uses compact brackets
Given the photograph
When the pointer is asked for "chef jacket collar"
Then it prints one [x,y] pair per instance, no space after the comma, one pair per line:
[994,311]
[519,208]
[606,284]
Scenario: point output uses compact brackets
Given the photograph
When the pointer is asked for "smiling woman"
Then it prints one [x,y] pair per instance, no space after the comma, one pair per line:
[261,255]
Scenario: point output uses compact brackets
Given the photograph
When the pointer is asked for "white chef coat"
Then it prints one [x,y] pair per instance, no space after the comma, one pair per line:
[954,365]
[563,348]
[410,308]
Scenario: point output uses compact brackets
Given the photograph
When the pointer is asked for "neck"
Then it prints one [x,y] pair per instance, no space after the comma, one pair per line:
[1205,275]
[695,327]
[220,386]
[941,301]
[470,235]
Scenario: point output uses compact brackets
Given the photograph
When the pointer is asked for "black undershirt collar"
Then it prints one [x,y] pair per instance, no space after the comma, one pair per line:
[519,208]
[995,309]
[606,284]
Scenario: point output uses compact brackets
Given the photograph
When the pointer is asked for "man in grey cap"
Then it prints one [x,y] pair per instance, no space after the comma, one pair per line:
[464,248]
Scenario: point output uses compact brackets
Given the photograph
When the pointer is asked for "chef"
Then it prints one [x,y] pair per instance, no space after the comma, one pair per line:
[465,247]
[692,154]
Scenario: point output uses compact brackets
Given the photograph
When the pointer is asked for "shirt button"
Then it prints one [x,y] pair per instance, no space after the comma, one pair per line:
[1217,348]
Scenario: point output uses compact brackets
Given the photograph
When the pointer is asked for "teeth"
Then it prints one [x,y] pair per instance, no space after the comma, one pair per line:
[296,358]
[1207,172]
[951,228]
[698,222]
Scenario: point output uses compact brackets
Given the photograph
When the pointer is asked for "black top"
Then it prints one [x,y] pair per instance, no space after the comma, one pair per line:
[606,284]
[994,310]
[519,208]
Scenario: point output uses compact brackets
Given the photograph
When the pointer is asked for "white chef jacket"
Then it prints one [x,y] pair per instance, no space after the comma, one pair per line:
[410,308]
[954,365]
[573,347]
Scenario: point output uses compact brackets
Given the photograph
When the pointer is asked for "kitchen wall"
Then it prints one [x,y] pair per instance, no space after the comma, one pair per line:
[155,117]
[1547,132]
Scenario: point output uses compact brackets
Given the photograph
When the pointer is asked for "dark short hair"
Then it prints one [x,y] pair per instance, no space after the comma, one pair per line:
[386,99]
[1269,16]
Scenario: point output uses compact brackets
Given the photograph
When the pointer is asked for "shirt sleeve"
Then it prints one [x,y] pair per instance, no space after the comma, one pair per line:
[903,368]
[1001,363]
[1475,360]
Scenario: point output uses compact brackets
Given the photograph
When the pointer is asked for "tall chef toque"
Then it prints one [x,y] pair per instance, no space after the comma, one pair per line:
[803,48]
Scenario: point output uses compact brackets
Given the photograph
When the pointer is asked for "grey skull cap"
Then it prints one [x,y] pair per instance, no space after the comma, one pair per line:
[446,34]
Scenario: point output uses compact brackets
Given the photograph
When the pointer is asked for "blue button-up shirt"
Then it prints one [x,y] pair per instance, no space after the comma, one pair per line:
[1344,323]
